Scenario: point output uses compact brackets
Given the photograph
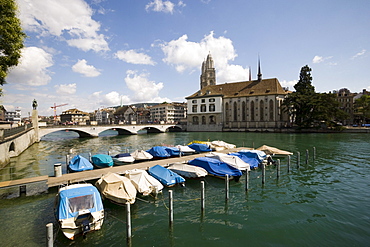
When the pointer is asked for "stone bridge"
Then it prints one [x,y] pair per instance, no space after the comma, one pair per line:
[95,130]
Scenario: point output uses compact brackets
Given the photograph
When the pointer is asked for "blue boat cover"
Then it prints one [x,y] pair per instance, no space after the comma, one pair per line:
[77,198]
[102,160]
[165,176]
[252,157]
[215,167]
[173,151]
[200,147]
[79,163]
[122,155]
[159,152]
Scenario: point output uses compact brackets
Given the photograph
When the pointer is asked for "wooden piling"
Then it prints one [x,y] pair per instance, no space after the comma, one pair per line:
[307,156]
[202,196]
[128,223]
[278,168]
[314,154]
[263,173]
[288,163]
[227,187]
[170,207]
[247,180]
[49,235]
[298,159]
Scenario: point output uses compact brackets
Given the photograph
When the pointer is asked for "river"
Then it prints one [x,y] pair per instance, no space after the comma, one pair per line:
[323,203]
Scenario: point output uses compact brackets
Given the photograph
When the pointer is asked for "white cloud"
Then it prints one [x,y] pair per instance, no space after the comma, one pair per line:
[144,89]
[69,19]
[185,55]
[83,68]
[66,89]
[134,57]
[33,67]
[361,53]
[289,84]
[319,59]
[160,6]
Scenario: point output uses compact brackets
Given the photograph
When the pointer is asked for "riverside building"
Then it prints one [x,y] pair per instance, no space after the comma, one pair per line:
[238,106]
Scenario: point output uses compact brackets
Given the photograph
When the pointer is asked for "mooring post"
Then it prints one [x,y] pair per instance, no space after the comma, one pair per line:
[314,154]
[306,156]
[202,196]
[278,168]
[288,163]
[298,159]
[227,187]
[49,235]
[90,157]
[67,162]
[263,173]
[171,207]
[128,222]
[58,169]
[247,180]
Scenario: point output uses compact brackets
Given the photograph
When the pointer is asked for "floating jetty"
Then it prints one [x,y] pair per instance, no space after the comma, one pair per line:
[37,185]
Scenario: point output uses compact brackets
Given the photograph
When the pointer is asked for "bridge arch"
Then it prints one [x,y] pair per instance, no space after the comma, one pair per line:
[12,147]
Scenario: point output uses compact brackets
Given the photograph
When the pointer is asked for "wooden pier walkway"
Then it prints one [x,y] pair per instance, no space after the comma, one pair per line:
[49,182]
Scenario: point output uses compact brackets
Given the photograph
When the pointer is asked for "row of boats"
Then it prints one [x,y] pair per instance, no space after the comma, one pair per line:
[79,207]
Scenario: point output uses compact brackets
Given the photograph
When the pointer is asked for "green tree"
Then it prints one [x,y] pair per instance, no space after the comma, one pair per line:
[11,38]
[311,109]
[300,103]
[362,106]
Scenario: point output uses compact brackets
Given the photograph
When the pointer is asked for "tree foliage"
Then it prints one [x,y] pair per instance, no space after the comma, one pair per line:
[311,109]
[11,38]
[362,106]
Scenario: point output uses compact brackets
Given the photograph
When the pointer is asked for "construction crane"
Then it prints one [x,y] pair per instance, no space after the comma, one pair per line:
[55,111]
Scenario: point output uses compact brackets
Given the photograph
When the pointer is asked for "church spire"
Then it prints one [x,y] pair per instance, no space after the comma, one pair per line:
[250,73]
[208,76]
[259,75]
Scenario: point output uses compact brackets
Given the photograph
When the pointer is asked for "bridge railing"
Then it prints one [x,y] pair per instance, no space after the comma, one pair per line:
[5,133]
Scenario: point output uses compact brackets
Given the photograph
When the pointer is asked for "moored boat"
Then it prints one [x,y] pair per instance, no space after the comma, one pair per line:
[232,160]
[78,209]
[102,160]
[185,150]
[79,163]
[188,171]
[124,158]
[252,157]
[200,147]
[166,176]
[158,152]
[217,168]
[143,182]
[141,155]
[116,188]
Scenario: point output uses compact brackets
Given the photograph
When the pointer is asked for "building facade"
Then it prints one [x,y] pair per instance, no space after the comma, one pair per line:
[168,113]
[237,106]
[74,116]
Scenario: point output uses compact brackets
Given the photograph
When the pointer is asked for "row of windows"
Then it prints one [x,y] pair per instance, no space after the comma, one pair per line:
[194,101]
[211,120]
[203,108]
[252,111]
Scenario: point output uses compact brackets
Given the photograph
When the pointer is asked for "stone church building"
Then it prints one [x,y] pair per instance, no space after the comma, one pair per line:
[238,106]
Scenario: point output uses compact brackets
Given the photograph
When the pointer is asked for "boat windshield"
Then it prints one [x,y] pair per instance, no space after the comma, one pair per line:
[81,202]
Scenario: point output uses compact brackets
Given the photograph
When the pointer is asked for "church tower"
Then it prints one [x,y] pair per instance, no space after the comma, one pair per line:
[208,76]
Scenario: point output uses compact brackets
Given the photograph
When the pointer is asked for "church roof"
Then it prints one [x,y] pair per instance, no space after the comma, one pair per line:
[241,89]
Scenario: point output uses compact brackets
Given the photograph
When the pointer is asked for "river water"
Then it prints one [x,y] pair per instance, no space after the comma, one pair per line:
[323,203]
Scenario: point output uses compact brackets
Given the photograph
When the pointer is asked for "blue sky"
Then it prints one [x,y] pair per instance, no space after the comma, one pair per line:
[91,54]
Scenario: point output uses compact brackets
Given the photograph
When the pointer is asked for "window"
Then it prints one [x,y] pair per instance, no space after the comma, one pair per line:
[212,107]
[227,112]
[203,120]
[212,120]
[271,110]
[203,100]
[211,100]
[195,120]
[194,101]
[235,111]
[194,108]
[261,110]
[252,111]
[243,111]
[203,108]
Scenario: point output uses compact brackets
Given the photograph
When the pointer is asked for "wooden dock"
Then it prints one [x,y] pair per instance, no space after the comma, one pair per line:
[21,185]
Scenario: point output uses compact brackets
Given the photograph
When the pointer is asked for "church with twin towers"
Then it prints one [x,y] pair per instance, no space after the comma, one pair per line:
[250,105]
